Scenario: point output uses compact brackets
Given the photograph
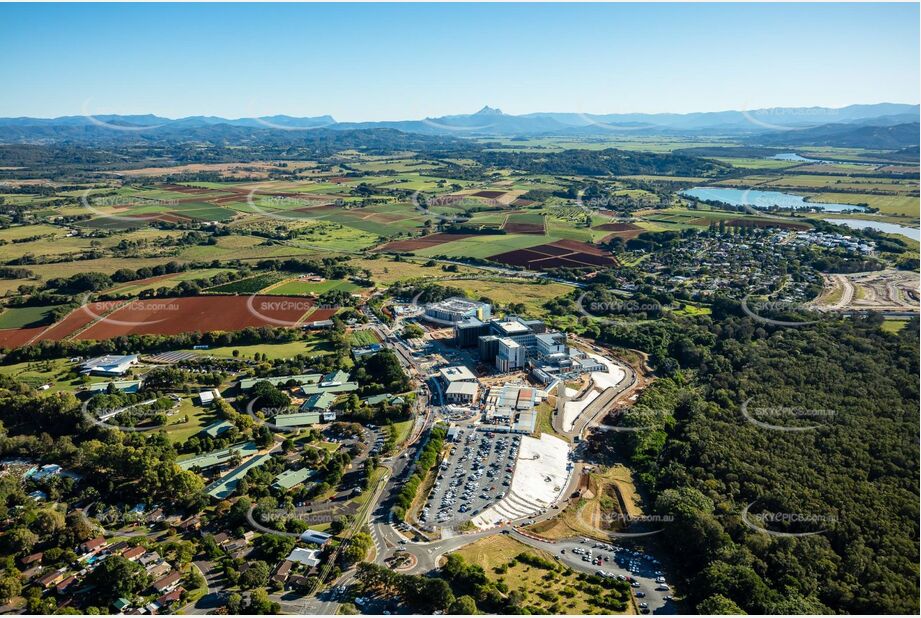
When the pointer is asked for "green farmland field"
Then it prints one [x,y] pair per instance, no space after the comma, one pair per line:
[295,287]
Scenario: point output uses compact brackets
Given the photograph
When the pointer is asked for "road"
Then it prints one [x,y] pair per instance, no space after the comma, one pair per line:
[213,599]
[592,414]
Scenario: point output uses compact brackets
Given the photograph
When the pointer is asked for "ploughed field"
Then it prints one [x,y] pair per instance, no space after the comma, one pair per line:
[171,316]
[559,254]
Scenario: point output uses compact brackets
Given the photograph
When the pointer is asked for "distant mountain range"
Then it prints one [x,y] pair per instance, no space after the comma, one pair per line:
[882,123]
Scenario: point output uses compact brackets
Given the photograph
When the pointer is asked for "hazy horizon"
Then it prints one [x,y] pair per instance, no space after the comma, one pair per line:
[403,62]
[460,113]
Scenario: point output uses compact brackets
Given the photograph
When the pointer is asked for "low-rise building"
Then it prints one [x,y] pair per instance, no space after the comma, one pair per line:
[109,365]
[167,583]
[316,537]
[307,557]
[456,309]
[462,392]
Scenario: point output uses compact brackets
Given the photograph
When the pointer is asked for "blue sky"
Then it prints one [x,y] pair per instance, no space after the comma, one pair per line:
[373,62]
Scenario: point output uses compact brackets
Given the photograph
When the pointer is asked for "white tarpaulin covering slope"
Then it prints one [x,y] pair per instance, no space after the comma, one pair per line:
[540,477]
[601,380]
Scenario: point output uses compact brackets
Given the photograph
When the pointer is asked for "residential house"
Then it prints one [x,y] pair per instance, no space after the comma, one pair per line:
[65,583]
[150,558]
[168,583]
[165,601]
[158,570]
[35,558]
[93,545]
[51,579]
[282,572]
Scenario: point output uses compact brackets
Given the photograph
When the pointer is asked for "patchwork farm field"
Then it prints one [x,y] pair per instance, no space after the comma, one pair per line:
[171,316]
[296,287]
[160,316]
[24,317]
[483,246]
[559,254]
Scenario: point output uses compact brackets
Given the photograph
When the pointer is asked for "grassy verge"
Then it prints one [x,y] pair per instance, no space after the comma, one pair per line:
[553,590]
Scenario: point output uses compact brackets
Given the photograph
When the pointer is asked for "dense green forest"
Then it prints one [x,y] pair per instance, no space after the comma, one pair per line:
[849,475]
[610,161]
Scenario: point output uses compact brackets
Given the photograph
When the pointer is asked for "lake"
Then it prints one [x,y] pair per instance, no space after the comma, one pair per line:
[889,228]
[792,156]
[765,199]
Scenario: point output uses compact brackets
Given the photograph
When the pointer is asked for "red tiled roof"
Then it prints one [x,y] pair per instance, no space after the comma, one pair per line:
[166,582]
[94,543]
[67,582]
[170,597]
[36,557]
[134,552]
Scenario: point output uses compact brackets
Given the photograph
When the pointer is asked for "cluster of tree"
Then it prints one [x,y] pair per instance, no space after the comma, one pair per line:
[12,272]
[266,395]
[415,592]
[354,409]
[855,466]
[427,292]
[258,604]
[380,373]
[427,460]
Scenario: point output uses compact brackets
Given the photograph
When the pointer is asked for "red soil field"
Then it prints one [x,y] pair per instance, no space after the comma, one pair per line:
[489,194]
[514,227]
[16,337]
[562,253]
[580,247]
[524,228]
[171,316]
[77,319]
[425,242]
[322,314]
[521,202]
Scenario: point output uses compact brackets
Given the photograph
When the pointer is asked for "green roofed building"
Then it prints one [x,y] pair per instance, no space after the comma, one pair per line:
[318,402]
[216,458]
[217,428]
[304,378]
[334,377]
[300,419]
[226,485]
[292,478]
[344,387]
[373,400]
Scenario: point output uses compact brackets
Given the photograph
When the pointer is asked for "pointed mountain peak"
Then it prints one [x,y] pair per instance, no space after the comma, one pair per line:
[490,111]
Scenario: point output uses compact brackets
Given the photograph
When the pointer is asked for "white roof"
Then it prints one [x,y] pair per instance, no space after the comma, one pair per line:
[465,388]
[458,373]
[512,327]
[309,557]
